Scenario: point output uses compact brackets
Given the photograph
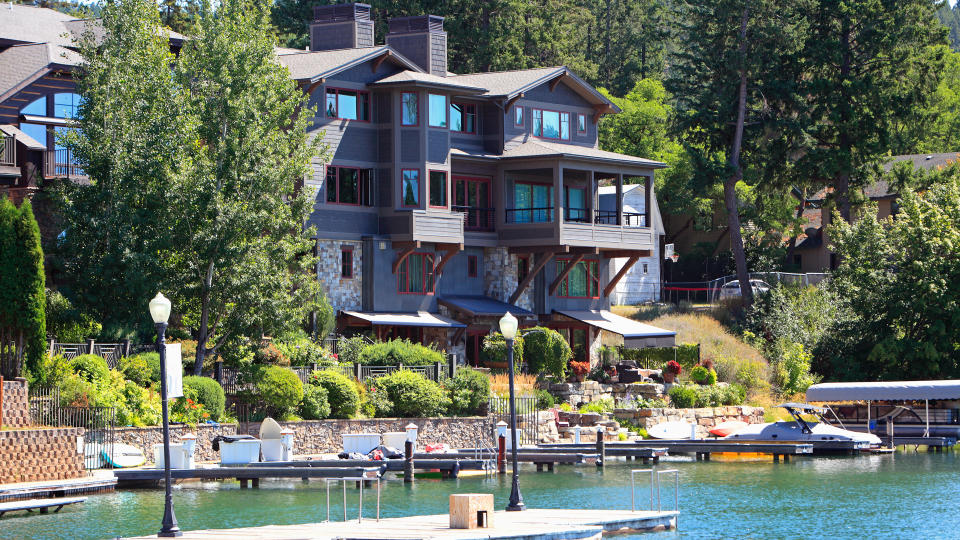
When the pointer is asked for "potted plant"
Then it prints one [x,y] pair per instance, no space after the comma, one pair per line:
[580,370]
[671,371]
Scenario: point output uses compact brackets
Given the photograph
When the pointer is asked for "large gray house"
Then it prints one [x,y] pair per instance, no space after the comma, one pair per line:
[452,198]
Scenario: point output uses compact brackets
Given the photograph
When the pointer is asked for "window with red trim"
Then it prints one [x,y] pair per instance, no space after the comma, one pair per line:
[518,116]
[410,187]
[463,117]
[410,109]
[551,124]
[343,104]
[415,274]
[583,281]
[346,263]
[472,266]
[581,123]
[438,189]
[347,185]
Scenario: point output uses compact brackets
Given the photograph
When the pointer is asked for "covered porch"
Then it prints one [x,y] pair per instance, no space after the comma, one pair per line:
[589,330]
[419,327]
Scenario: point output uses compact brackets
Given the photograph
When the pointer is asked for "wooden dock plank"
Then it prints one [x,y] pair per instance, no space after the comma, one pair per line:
[42,505]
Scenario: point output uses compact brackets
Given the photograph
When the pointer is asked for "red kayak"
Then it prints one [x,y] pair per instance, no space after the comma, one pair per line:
[727,428]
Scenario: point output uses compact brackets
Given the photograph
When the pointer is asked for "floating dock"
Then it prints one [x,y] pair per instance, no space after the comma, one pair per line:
[41,505]
[933,444]
[531,524]
[703,448]
[58,488]
[128,477]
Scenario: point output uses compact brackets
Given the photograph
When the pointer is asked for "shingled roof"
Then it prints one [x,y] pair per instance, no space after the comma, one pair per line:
[23,64]
[28,24]
[315,65]
[508,84]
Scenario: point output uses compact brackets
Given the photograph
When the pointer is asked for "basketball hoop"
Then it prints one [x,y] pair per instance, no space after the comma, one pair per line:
[675,257]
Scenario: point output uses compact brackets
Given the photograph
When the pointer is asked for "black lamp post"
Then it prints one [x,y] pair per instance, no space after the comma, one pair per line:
[508,327]
[160,311]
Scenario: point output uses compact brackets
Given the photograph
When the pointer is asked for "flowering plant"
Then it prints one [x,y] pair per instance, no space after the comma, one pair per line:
[674,367]
[580,368]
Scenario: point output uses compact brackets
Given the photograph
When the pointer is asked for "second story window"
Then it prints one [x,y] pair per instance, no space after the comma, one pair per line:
[410,186]
[518,118]
[410,109]
[346,262]
[348,104]
[463,117]
[438,189]
[438,110]
[551,124]
[415,274]
[346,185]
[583,281]
[581,123]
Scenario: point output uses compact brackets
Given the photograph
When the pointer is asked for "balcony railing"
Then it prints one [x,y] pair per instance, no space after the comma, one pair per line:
[8,150]
[59,163]
[529,215]
[576,215]
[630,219]
[477,219]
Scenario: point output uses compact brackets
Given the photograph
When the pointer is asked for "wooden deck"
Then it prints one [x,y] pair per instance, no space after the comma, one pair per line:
[102,481]
[536,524]
[128,477]
[42,505]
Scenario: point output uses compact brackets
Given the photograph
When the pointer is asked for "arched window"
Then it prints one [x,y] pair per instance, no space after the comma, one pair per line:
[63,105]
[36,131]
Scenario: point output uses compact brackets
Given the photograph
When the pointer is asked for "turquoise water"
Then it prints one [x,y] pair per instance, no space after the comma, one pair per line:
[905,495]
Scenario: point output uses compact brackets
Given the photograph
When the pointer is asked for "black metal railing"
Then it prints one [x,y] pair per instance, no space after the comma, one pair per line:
[576,215]
[529,215]
[98,424]
[233,381]
[8,150]
[477,219]
[527,416]
[630,219]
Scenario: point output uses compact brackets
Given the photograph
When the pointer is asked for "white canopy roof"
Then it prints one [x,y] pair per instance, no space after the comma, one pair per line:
[419,318]
[635,334]
[884,391]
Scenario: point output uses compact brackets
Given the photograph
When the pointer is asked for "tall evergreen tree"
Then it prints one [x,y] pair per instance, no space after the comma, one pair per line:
[22,297]
[627,41]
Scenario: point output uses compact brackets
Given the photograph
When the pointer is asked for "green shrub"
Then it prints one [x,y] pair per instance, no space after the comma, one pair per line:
[603,405]
[399,351]
[412,394]
[545,351]
[303,352]
[790,363]
[66,323]
[495,350]
[342,393]
[349,349]
[143,368]
[699,374]
[687,355]
[51,371]
[209,394]
[90,366]
[683,397]
[469,392]
[545,400]
[280,389]
[315,404]
[270,355]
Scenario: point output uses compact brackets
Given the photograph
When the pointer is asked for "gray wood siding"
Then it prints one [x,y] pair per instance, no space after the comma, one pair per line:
[438,145]
[410,145]
[356,143]
[343,222]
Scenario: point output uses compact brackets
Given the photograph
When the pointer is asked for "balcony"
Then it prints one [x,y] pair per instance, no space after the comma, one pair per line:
[604,217]
[434,227]
[477,219]
[8,151]
[530,215]
[60,163]
[536,227]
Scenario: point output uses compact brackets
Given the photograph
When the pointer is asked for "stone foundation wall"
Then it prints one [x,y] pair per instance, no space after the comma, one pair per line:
[36,455]
[144,438]
[341,293]
[589,391]
[16,411]
[705,418]
[500,277]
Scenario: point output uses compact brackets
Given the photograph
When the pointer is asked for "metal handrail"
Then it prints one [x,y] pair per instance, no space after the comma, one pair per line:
[534,215]
[633,487]
[655,479]
[476,219]
[361,480]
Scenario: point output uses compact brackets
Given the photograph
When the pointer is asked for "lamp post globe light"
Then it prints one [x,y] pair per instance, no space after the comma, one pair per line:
[160,312]
[508,327]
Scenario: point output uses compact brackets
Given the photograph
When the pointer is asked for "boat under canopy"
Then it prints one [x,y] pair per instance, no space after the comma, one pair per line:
[884,391]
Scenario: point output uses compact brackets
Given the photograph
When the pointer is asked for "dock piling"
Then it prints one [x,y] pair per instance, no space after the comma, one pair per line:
[601,458]
[502,454]
[408,462]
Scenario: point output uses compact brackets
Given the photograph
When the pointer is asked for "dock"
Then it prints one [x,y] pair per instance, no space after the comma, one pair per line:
[449,465]
[41,505]
[531,524]
[701,448]
[58,488]
[128,477]
[933,444]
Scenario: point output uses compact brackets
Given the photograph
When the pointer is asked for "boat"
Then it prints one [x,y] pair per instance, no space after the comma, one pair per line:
[800,429]
[671,430]
[121,456]
[728,428]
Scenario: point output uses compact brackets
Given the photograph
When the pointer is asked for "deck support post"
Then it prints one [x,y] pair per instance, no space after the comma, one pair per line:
[776,458]
[255,482]
[243,483]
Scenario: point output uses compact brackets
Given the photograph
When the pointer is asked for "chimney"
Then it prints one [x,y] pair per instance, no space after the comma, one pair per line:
[341,26]
[422,40]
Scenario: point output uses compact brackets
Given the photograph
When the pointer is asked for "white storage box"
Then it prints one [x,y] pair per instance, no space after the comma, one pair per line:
[361,443]
[239,452]
[178,457]
[395,439]
[279,449]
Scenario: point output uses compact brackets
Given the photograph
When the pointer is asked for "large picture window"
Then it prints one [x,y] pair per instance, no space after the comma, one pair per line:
[410,185]
[463,117]
[583,281]
[551,124]
[532,203]
[415,274]
[410,109]
[438,110]
[348,104]
[438,189]
[346,185]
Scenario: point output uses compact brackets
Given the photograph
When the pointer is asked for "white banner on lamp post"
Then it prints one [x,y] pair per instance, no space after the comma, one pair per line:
[174,368]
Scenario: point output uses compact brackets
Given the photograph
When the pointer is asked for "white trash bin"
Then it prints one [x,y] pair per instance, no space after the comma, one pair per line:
[279,449]
[361,443]
[240,452]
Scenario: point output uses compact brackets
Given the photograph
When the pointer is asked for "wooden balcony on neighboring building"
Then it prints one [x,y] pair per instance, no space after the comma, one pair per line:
[60,163]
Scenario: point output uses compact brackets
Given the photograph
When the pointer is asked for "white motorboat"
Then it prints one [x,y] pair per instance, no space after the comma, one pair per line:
[801,429]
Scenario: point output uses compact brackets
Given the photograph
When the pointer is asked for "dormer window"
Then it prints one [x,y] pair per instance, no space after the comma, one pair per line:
[551,124]
[348,104]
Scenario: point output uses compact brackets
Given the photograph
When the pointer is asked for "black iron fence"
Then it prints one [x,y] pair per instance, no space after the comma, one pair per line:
[111,352]
[527,416]
[97,422]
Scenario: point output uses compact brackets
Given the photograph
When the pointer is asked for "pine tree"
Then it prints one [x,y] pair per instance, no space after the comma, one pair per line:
[22,298]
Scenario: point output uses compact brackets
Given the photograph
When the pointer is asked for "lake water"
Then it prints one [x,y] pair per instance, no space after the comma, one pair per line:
[906,495]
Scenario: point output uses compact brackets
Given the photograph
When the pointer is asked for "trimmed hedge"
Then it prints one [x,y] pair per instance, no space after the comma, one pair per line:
[545,351]
[398,351]
[280,389]
[315,404]
[90,367]
[143,368]
[688,396]
[208,392]
[469,392]
[342,393]
[411,394]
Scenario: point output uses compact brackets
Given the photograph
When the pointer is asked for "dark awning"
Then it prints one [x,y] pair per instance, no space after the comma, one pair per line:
[482,306]
[884,391]
[418,318]
[635,334]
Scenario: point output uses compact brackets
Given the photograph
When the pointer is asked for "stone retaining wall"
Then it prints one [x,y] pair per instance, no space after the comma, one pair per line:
[577,393]
[317,436]
[36,455]
[705,418]
[16,412]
